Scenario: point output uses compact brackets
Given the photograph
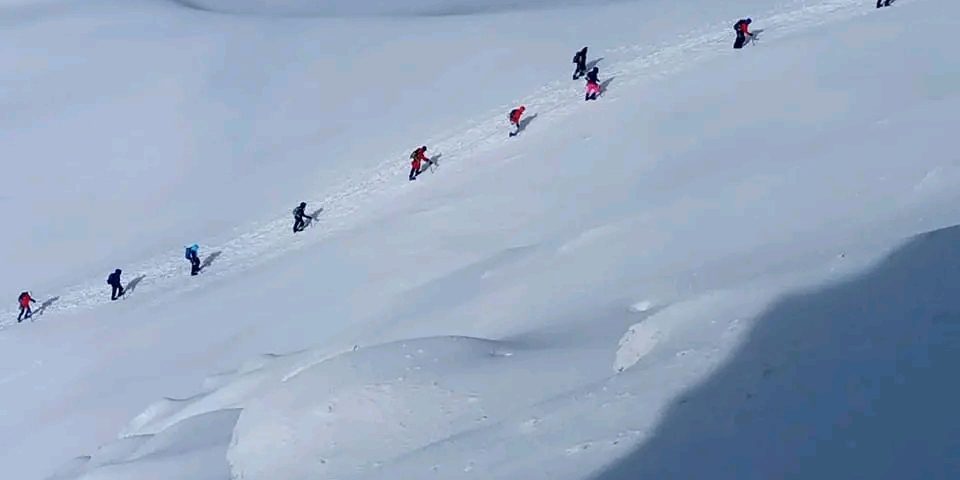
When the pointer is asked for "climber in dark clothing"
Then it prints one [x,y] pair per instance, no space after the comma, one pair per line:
[593,84]
[299,214]
[117,287]
[742,27]
[580,58]
[192,254]
[593,75]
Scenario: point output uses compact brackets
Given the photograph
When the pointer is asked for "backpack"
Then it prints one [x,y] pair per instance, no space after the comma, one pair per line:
[24,294]
[738,27]
[186,253]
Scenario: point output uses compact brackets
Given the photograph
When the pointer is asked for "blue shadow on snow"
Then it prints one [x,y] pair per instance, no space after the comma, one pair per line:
[854,380]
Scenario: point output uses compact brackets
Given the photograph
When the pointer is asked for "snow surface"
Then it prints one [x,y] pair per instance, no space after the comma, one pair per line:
[340,8]
[732,265]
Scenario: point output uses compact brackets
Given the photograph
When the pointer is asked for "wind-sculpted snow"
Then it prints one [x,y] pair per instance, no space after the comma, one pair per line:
[361,409]
[193,449]
[335,413]
[642,338]
[335,8]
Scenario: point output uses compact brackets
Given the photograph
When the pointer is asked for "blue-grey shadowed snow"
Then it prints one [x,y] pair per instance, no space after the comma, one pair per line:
[209,259]
[526,121]
[753,39]
[593,63]
[45,305]
[27,13]
[199,6]
[604,84]
[200,442]
[408,8]
[854,380]
[605,327]
[210,430]
[457,287]
[71,470]
[133,284]
[313,216]
[434,162]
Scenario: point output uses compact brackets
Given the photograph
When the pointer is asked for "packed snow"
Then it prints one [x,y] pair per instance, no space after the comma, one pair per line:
[733,264]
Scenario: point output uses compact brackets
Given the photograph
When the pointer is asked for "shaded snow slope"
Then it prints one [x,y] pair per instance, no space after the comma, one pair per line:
[847,380]
[550,305]
[194,449]
[375,7]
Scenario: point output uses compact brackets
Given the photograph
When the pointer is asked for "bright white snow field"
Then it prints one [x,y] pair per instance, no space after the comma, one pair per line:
[735,264]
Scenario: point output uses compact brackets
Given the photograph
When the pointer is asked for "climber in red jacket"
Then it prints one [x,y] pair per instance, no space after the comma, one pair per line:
[25,300]
[416,160]
[515,115]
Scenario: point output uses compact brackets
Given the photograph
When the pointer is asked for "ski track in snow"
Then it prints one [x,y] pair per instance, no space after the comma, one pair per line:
[342,203]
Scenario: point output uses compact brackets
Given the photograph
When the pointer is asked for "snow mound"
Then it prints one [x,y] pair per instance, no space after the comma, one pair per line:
[719,313]
[193,449]
[373,7]
[223,391]
[358,410]
[315,411]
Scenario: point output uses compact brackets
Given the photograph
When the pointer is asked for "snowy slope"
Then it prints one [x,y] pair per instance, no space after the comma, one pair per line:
[666,270]
[341,8]
[174,126]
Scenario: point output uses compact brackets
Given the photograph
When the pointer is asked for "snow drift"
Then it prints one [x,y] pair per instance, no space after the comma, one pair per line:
[363,409]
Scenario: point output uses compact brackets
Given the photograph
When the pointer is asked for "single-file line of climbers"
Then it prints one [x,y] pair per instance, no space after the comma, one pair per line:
[419,163]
